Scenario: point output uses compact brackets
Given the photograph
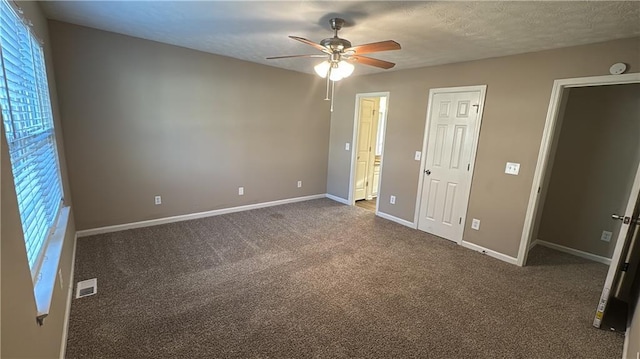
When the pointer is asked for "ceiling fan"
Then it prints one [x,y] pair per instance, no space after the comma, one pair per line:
[339,55]
[339,52]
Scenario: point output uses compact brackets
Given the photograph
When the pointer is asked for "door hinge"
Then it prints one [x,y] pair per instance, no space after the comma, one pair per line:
[477,106]
[460,221]
[624,267]
[366,184]
[468,166]
[539,189]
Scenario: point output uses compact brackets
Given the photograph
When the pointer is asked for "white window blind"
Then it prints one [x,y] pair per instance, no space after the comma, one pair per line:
[28,124]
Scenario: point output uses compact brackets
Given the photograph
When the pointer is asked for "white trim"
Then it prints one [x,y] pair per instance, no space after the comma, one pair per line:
[489,252]
[545,145]
[186,217]
[482,89]
[354,142]
[44,287]
[67,313]
[533,244]
[625,346]
[575,252]
[401,221]
[338,199]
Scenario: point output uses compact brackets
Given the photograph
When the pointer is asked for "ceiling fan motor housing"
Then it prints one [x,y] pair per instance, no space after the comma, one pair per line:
[336,44]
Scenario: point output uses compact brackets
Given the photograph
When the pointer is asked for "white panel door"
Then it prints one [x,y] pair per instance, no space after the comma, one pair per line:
[447,178]
[630,220]
[365,126]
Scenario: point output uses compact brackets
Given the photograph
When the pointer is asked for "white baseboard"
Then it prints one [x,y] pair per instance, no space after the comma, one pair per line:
[67,313]
[338,199]
[533,244]
[490,253]
[186,217]
[575,252]
[396,219]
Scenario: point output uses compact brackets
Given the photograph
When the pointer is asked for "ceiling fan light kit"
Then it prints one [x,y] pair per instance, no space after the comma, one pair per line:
[340,54]
[336,70]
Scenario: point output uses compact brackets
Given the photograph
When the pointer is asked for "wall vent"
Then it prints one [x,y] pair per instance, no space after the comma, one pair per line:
[87,287]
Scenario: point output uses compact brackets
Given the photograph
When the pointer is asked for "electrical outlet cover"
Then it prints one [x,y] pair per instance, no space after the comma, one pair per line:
[512,168]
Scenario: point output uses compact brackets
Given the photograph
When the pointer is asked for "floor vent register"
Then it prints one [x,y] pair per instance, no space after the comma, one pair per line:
[87,287]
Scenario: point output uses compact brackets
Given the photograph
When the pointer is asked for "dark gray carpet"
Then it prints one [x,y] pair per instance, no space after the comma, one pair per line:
[320,279]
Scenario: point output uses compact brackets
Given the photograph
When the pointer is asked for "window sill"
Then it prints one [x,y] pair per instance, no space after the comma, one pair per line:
[46,278]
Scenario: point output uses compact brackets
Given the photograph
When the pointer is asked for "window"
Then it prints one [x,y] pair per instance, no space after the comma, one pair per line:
[28,125]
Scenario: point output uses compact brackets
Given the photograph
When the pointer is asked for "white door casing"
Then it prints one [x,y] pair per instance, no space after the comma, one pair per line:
[451,136]
[367,109]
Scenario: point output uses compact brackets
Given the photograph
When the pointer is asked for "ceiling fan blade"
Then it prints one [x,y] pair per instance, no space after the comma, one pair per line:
[309,42]
[373,62]
[292,56]
[374,47]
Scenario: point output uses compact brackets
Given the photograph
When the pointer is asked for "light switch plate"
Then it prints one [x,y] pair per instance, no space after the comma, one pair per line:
[512,168]
[346,146]
[418,155]
[475,224]
[606,236]
[392,199]
[240,191]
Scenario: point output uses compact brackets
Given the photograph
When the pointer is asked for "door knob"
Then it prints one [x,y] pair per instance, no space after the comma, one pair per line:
[624,219]
[428,172]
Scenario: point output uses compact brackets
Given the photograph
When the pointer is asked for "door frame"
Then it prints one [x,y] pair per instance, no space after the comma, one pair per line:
[550,128]
[474,147]
[354,142]
[545,149]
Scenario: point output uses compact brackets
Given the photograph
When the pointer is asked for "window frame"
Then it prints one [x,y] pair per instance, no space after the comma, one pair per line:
[41,106]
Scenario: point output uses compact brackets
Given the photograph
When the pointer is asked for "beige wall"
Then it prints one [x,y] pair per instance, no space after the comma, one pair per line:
[518,93]
[21,337]
[594,167]
[142,119]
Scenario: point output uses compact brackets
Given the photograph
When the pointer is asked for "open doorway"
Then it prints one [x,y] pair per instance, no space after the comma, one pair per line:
[588,171]
[366,165]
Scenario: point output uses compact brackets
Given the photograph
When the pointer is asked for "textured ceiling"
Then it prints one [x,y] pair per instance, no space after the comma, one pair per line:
[430,33]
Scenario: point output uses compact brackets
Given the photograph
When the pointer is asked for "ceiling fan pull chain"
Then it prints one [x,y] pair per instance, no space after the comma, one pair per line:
[326,98]
[333,91]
